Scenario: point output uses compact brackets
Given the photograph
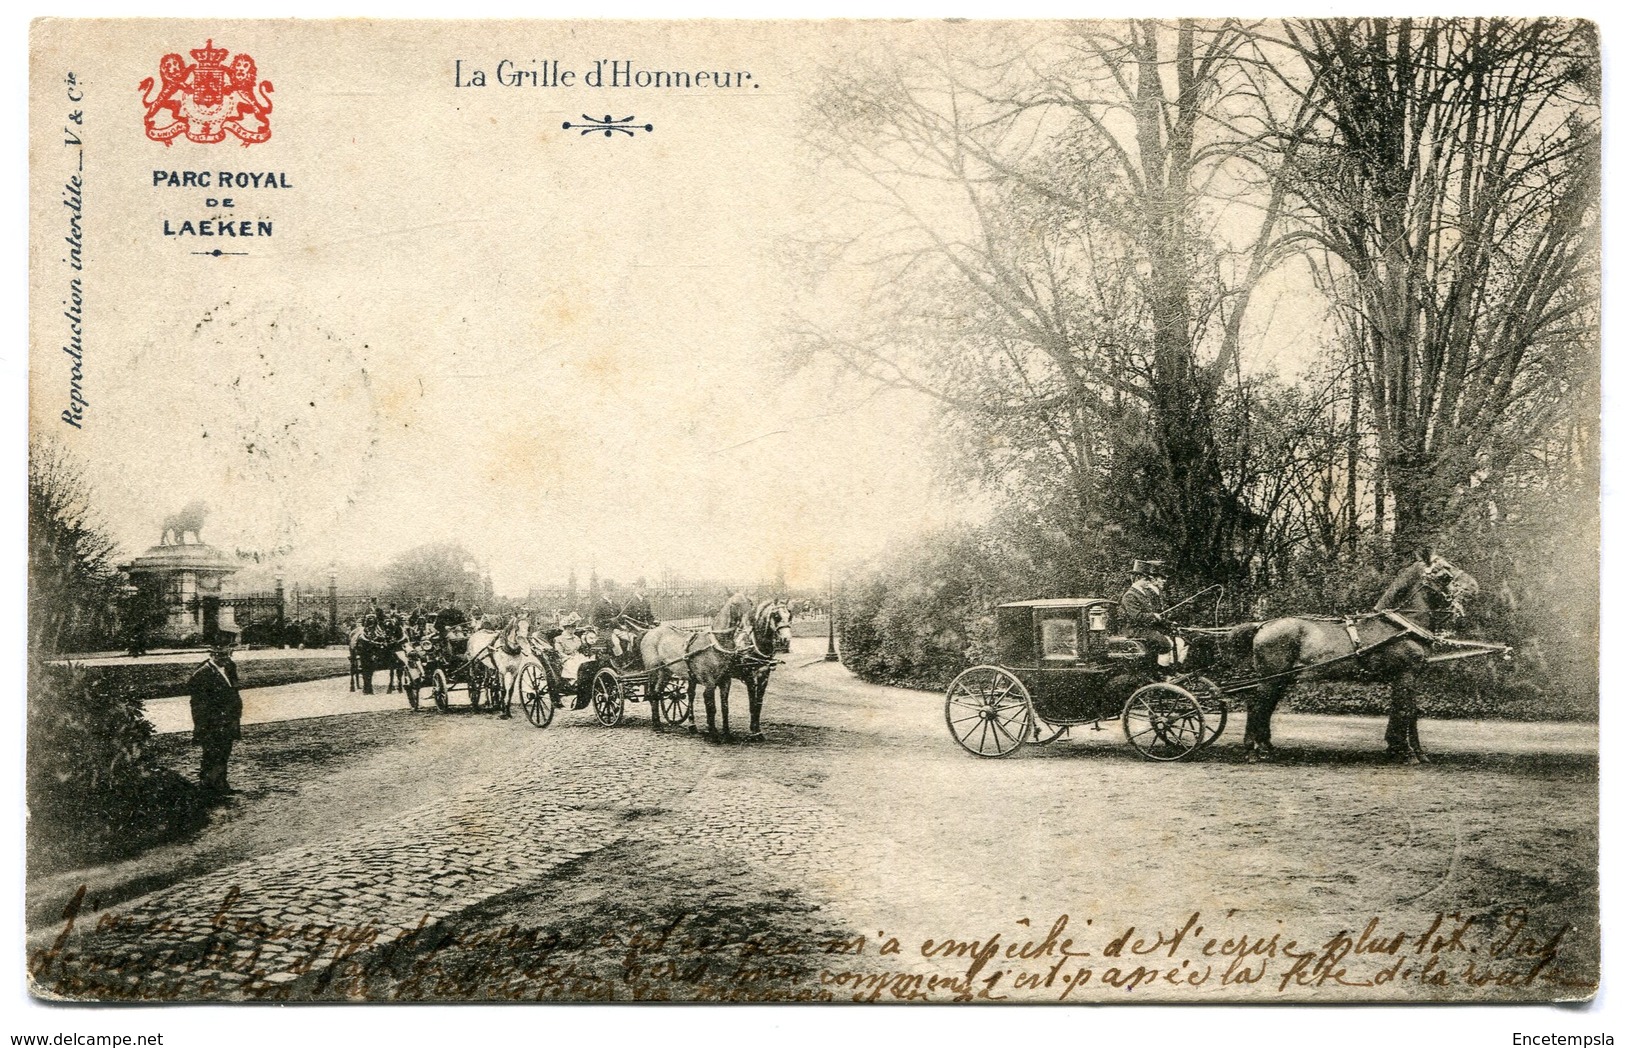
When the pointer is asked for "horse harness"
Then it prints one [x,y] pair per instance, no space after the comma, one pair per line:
[752,657]
[1404,626]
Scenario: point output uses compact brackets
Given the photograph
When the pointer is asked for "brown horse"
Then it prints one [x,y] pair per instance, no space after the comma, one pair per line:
[369,653]
[1392,643]
[711,662]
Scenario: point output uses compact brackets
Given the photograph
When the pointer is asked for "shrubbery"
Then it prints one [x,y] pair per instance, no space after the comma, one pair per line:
[909,619]
[919,614]
[95,788]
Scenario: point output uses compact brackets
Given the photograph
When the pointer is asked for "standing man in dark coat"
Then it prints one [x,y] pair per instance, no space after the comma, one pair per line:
[217,718]
[1145,608]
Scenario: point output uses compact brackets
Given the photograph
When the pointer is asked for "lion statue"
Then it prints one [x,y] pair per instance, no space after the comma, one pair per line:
[176,525]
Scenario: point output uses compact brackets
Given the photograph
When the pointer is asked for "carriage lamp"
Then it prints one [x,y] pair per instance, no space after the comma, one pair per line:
[1098,619]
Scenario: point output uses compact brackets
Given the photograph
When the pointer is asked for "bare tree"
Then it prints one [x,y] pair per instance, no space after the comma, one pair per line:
[1063,236]
[72,575]
[1450,171]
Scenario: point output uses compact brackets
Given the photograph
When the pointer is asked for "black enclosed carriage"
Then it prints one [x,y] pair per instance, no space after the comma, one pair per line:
[1064,662]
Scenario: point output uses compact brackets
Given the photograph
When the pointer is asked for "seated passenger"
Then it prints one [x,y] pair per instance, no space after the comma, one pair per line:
[575,654]
[637,611]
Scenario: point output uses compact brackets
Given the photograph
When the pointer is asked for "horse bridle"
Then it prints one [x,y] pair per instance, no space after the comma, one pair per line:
[1440,580]
[755,652]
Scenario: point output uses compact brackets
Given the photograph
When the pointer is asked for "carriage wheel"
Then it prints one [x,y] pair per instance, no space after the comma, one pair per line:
[673,699]
[608,703]
[1164,722]
[535,696]
[1215,707]
[442,691]
[989,711]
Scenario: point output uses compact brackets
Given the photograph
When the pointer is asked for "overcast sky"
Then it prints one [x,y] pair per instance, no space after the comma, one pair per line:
[471,325]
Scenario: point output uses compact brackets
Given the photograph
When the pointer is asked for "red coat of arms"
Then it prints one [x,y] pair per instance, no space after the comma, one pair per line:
[207,99]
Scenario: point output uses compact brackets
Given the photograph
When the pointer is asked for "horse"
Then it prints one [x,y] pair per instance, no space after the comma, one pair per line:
[780,613]
[711,665]
[368,655]
[511,648]
[1392,642]
[769,630]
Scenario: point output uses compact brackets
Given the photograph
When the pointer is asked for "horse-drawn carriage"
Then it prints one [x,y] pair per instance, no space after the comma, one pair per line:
[607,682]
[1065,662]
[663,666]
[443,669]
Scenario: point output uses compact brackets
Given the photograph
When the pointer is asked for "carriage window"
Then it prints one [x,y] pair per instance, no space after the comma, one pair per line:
[1060,638]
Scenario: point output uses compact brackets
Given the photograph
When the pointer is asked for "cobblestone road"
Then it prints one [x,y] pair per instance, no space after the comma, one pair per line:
[860,803]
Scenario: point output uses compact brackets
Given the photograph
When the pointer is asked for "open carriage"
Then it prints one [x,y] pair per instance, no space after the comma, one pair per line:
[441,672]
[603,680]
[1064,662]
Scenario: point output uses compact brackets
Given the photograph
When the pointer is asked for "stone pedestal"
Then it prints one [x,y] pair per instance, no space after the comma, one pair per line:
[184,582]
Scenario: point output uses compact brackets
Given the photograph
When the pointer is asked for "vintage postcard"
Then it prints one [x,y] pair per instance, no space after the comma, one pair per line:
[814,511]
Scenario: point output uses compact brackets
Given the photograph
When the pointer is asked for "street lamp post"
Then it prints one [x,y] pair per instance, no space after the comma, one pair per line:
[831,655]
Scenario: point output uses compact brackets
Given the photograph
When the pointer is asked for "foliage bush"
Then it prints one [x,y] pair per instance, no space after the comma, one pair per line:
[95,787]
[909,618]
[917,615]
[72,580]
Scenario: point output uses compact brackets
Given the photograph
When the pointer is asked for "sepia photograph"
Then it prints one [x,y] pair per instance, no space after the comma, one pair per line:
[1011,512]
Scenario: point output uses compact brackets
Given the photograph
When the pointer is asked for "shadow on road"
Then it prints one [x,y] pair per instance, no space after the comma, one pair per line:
[1333,757]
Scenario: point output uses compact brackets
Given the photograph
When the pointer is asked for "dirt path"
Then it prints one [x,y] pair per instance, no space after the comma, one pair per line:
[860,818]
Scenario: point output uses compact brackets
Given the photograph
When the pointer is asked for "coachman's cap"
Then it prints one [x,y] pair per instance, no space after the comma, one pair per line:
[1150,568]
